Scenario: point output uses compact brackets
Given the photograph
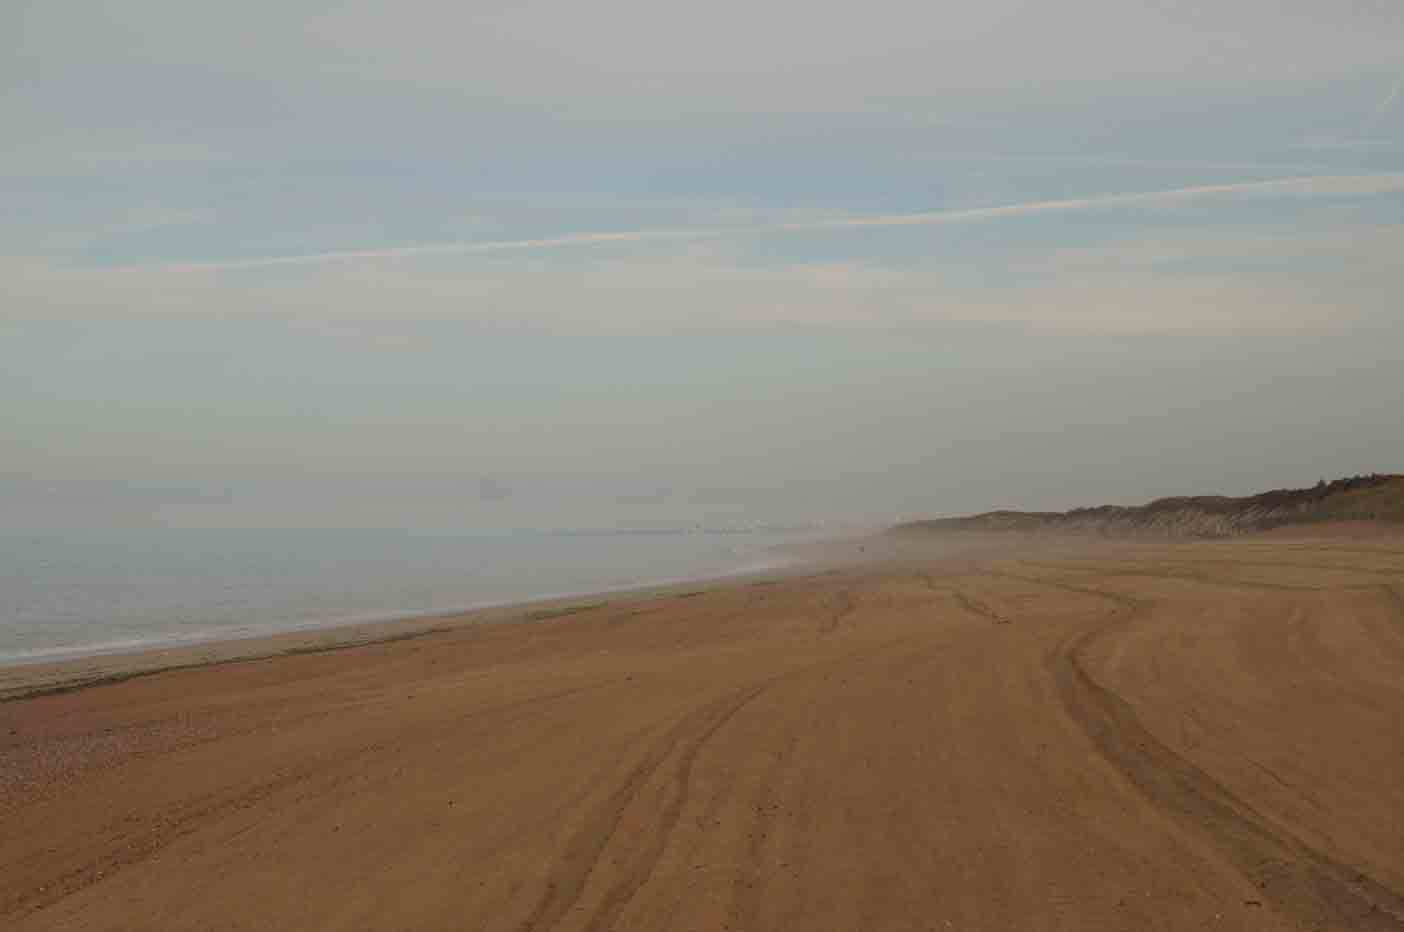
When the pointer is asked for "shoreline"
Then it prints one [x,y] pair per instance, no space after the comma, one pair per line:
[261,630]
[30,678]
[25,679]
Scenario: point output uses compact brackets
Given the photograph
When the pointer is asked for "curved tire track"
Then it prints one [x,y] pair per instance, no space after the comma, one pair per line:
[1297,879]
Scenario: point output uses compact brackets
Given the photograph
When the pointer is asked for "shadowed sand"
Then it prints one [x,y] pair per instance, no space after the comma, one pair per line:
[1066,736]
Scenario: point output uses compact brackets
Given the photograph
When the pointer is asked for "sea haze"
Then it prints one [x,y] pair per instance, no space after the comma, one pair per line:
[71,593]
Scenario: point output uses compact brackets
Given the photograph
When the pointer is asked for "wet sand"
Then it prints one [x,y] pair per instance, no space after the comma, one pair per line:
[1067,735]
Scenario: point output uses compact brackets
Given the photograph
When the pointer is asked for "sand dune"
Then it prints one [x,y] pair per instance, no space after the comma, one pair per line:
[1203,735]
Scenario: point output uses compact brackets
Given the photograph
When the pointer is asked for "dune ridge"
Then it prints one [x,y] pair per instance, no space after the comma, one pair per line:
[1375,497]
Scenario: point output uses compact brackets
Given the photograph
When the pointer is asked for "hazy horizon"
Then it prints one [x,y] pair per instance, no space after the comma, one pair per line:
[541,265]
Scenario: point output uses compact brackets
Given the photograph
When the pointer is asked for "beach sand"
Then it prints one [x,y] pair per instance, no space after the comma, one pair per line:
[1059,735]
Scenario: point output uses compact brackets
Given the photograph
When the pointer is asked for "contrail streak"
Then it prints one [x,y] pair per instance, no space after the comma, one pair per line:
[1320,185]
[1383,109]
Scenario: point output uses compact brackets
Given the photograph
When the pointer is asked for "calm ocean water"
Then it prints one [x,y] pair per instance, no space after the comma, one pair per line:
[68,593]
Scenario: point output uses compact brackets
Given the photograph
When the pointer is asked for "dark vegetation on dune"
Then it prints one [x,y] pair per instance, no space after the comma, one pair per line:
[1374,497]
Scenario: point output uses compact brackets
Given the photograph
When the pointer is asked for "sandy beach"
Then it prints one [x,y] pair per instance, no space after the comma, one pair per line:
[1063,734]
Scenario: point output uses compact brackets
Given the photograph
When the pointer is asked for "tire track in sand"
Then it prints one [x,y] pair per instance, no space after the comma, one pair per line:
[970,604]
[1295,878]
[566,884]
[138,838]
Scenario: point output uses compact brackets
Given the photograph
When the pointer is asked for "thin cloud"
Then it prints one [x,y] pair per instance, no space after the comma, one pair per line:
[1308,186]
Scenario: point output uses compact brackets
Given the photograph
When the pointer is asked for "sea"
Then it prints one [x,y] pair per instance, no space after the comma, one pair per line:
[68,593]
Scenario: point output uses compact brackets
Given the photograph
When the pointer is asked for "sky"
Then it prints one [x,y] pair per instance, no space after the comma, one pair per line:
[627,263]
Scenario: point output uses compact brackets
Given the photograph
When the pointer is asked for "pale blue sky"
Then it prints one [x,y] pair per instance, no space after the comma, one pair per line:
[786,260]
